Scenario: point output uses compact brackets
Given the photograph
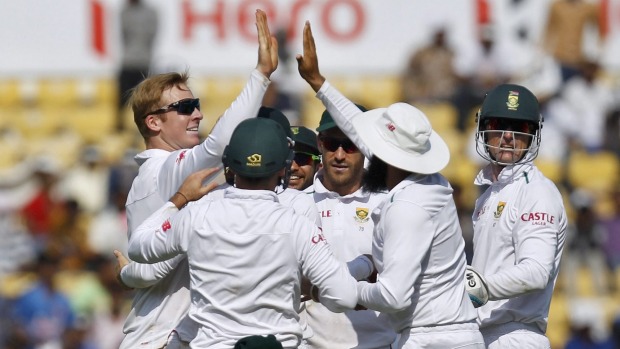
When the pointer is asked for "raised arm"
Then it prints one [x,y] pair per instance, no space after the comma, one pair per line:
[340,107]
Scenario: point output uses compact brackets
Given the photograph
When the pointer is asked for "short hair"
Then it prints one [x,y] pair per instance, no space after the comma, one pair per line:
[146,97]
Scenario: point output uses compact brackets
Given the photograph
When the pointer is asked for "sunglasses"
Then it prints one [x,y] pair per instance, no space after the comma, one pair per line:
[332,144]
[183,107]
[497,124]
[304,159]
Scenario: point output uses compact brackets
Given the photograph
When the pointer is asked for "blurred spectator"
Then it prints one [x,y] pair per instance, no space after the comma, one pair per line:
[581,338]
[566,23]
[41,212]
[487,67]
[139,26]
[42,314]
[588,103]
[88,181]
[430,75]
[611,231]
[584,239]
[108,229]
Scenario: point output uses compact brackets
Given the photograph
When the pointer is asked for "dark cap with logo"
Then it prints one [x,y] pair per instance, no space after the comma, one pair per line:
[327,121]
[258,342]
[305,136]
[277,116]
[258,148]
[511,102]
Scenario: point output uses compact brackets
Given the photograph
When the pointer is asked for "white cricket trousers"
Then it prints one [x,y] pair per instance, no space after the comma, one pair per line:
[515,335]
[461,336]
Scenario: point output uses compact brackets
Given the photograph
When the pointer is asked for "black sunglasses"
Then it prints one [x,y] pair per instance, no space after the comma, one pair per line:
[304,159]
[183,107]
[332,144]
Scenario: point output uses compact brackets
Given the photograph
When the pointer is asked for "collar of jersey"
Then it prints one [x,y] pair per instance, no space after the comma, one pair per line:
[508,174]
[236,193]
[141,157]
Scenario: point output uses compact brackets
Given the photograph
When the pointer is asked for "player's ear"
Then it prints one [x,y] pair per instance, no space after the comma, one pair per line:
[153,122]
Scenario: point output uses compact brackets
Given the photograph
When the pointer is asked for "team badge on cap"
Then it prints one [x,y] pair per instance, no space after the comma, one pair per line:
[295,130]
[254,160]
[513,100]
[361,214]
[499,210]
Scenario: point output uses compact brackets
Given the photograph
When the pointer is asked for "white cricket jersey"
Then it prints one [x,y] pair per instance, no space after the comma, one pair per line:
[519,233]
[348,229]
[246,254]
[418,223]
[161,300]
[300,201]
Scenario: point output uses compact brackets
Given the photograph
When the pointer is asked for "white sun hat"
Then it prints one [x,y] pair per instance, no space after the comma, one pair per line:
[402,136]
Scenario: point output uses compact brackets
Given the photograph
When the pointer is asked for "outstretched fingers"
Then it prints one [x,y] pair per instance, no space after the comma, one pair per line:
[267,46]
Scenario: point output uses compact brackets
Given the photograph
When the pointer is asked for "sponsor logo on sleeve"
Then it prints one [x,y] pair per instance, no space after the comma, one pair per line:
[326,213]
[166,226]
[181,156]
[538,218]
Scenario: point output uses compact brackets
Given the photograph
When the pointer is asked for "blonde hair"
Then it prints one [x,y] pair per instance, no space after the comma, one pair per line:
[146,97]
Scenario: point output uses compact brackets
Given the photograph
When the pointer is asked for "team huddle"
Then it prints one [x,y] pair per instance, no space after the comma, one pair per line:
[267,235]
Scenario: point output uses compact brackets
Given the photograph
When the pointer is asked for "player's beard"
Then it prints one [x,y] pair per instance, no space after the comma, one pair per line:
[374,179]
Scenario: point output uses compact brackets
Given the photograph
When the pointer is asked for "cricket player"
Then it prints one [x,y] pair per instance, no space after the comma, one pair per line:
[247,251]
[418,248]
[168,116]
[519,222]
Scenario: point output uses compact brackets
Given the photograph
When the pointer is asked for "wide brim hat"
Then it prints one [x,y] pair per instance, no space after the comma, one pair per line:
[402,136]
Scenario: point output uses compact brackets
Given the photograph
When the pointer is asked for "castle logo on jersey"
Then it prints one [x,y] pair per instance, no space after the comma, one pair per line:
[513,100]
[361,214]
[254,160]
[499,210]
[538,218]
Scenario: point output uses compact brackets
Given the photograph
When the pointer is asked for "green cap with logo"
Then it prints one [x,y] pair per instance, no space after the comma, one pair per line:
[305,136]
[258,342]
[327,121]
[277,116]
[511,102]
[258,148]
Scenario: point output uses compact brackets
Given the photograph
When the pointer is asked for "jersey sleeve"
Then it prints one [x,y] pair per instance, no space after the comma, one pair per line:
[138,275]
[163,235]
[208,154]
[537,238]
[403,253]
[343,111]
[304,205]
[337,288]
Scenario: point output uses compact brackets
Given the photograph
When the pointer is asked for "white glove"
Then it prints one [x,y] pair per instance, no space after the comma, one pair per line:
[476,287]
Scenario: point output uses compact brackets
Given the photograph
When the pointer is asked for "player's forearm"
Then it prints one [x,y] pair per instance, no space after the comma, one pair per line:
[138,275]
[527,276]
[343,111]
[245,106]
[148,242]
